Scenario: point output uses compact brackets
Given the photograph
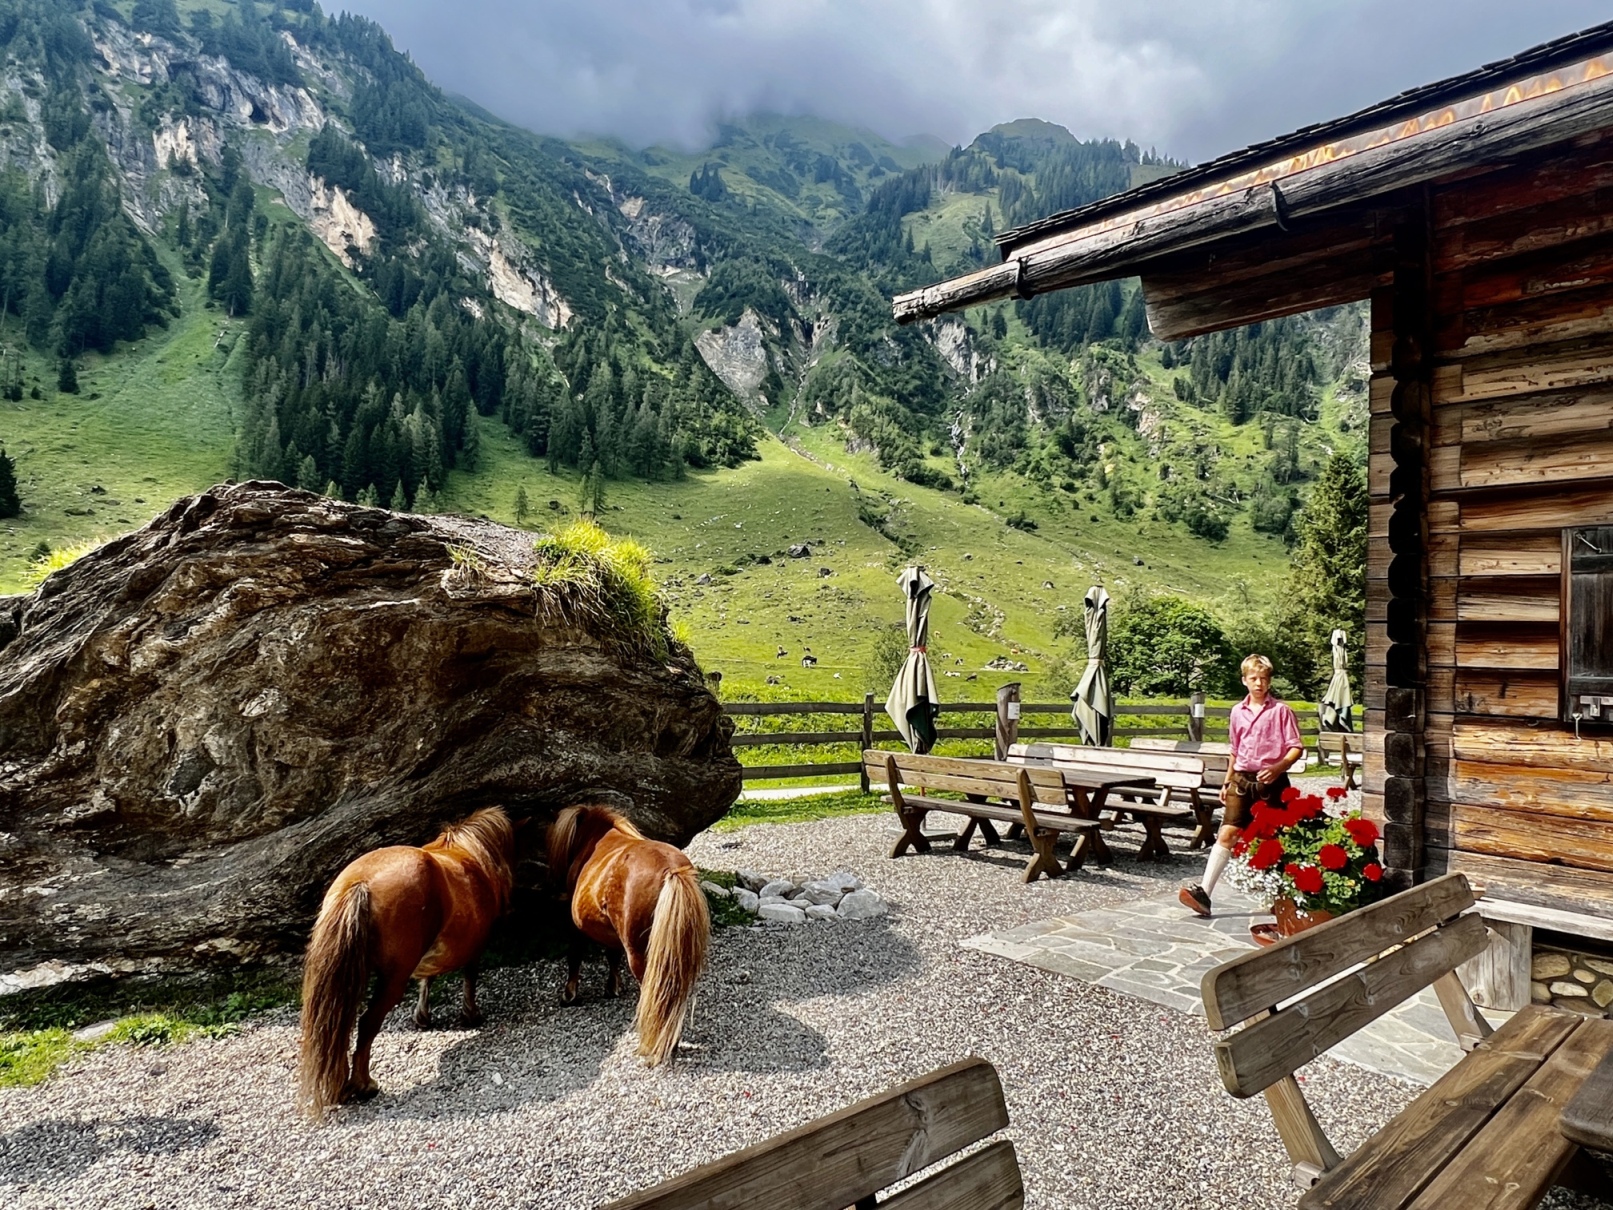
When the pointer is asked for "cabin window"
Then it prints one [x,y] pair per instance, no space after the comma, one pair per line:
[1588,623]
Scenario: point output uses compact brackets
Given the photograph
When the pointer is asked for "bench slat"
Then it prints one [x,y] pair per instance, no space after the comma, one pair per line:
[1261,979]
[1265,1051]
[987,1180]
[1519,1154]
[830,1163]
[1124,758]
[1394,1165]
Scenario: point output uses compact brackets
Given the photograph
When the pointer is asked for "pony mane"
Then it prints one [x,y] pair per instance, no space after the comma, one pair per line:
[488,838]
[577,827]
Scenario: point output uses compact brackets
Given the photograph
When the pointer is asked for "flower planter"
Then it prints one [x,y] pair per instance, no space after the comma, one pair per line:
[1290,920]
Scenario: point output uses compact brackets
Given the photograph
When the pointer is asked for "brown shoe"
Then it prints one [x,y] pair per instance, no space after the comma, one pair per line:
[1195,898]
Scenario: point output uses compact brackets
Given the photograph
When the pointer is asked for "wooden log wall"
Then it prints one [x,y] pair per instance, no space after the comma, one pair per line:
[1518,445]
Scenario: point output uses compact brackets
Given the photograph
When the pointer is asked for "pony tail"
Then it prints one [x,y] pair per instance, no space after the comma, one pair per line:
[333,982]
[679,933]
[562,838]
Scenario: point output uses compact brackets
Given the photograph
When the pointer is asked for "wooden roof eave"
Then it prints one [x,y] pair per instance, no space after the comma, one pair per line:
[1116,249]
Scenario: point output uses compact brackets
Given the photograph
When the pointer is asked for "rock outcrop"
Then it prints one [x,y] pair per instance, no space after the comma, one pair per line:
[203,721]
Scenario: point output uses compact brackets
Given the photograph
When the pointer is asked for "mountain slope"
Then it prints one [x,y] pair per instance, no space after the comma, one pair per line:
[350,281]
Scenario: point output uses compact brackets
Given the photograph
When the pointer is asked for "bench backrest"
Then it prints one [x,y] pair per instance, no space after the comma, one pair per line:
[1401,944]
[1345,743]
[839,1160]
[991,778]
[1180,772]
[1217,757]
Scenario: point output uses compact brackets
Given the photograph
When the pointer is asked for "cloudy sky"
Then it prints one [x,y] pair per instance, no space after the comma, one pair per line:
[1193,77]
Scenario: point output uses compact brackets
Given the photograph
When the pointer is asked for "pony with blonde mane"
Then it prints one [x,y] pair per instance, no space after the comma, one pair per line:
[397,913]
[639,897]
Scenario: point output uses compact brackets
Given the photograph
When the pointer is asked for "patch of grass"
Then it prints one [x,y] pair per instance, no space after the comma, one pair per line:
[48,564]
[725,913]
[800,810]
[27,1057]
[584,570]
[36,1028]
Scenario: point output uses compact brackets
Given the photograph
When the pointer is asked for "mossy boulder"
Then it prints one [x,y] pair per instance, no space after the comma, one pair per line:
[203,721]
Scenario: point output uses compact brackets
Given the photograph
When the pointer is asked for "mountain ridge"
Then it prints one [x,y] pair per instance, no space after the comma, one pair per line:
[630,327]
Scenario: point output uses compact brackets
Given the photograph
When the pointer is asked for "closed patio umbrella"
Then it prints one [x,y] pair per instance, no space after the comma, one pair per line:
[913,703]
[1094,704]
[1335,708]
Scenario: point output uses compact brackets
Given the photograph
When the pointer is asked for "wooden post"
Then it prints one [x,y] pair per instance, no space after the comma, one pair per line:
[1007,718]
[1195,718]
[868,736]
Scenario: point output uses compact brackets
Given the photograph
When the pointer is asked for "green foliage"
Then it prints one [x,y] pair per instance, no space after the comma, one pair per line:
[1166,647]
[10,501]
[805,809]
[889,653]
[1327,586]
[583,571]
[29,1057]
[53,561]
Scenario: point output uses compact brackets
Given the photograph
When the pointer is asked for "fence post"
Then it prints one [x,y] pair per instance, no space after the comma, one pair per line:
[1007,717]
[868,737]
[1195,718]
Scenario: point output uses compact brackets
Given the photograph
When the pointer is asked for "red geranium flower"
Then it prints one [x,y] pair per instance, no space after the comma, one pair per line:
[1289,793]
[1267,855]
[1291,868]
[1363,831]
[1308,807]
[1372,871]
[1333,857]
[1308,879]
[1336,792]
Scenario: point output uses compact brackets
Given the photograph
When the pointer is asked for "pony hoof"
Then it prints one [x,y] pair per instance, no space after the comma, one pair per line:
[361,1092]
[470,1020]
[568,995]
[422,1020]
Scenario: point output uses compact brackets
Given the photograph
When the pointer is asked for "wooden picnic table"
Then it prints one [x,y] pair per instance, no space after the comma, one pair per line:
[1085,789]
[1588,1118]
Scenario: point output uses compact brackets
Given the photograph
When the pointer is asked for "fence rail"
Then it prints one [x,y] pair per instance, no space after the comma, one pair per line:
[1006,711]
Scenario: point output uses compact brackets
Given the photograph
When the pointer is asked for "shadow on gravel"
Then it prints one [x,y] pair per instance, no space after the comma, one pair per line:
[533,1049]
[63,1148]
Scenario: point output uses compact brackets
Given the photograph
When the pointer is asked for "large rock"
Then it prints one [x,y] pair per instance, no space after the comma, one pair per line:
[203,721]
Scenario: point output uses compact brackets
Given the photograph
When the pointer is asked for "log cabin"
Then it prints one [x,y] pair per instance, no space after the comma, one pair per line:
[1476,216]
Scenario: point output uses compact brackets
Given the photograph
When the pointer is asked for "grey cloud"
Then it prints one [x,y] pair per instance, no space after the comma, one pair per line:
[1192,77]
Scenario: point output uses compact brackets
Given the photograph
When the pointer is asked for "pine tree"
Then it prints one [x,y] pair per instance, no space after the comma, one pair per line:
[10,502]
[67,377]
[400,502]
[523,506]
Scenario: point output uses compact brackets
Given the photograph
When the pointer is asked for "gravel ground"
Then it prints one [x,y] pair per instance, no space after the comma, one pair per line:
[1114,1102]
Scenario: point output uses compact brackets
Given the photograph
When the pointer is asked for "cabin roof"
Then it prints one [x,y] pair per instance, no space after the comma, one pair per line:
[1553,92]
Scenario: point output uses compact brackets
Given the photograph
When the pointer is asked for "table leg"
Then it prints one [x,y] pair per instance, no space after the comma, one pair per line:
[1087,807]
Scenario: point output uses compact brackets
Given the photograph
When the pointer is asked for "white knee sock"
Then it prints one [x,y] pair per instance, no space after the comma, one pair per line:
[1219,856]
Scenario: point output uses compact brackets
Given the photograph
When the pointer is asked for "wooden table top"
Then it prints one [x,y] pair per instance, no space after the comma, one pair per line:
[1096,778]
[1588,1118]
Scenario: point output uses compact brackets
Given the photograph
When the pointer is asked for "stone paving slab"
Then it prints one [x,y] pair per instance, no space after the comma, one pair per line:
[1156,950]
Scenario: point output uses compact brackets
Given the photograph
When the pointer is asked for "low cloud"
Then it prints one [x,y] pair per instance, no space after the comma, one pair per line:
[1193,77]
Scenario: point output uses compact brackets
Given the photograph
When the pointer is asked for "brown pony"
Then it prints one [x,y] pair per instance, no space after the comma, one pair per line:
[397,913]
[641,896]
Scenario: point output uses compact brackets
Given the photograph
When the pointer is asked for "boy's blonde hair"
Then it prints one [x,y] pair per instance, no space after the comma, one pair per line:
[1255,663]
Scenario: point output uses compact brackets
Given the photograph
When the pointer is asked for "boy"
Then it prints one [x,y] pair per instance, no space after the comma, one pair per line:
[1265,744]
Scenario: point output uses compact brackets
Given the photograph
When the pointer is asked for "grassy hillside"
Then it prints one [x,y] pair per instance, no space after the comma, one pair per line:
[152,422]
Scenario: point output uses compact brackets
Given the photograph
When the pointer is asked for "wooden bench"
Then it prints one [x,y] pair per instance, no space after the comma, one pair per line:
[1039,796]
[1485,1134]
[1343,748]
[847,1158]
[1174,775]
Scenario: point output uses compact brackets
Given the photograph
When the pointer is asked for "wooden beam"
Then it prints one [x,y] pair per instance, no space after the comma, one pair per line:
[1122,245]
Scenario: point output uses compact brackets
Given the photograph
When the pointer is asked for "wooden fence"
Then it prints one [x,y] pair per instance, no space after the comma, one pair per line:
[1198,721]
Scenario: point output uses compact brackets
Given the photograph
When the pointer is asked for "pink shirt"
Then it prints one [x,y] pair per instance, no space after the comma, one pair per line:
[1261,738]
